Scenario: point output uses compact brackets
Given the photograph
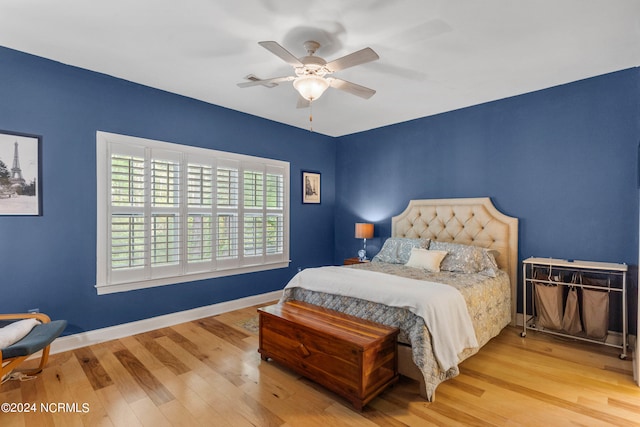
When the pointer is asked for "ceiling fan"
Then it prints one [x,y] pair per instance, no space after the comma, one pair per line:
[313,73]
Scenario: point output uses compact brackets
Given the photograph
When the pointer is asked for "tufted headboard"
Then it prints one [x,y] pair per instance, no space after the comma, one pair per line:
[473,221]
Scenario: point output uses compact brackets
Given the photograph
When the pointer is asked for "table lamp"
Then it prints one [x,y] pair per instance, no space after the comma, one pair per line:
[363,231]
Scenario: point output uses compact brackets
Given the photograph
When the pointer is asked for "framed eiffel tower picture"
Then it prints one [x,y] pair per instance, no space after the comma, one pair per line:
[20,174]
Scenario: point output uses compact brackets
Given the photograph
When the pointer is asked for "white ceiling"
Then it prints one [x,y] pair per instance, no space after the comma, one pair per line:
[435,56]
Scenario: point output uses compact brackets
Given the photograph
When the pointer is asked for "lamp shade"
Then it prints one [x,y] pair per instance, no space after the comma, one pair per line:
[364,230]
[310,87]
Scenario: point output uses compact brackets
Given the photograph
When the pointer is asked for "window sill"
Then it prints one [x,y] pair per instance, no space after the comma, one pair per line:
[105,288]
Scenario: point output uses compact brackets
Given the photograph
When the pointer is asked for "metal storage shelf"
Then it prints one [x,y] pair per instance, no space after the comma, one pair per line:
[616,273]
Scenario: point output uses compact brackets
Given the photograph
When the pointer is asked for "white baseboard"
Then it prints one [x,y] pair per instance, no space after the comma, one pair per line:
[83,339]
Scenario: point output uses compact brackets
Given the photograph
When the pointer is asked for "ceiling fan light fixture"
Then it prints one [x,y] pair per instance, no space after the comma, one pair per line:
[312,73]
[310,86]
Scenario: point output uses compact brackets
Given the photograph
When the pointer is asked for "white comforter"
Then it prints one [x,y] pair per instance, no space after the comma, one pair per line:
[441,306]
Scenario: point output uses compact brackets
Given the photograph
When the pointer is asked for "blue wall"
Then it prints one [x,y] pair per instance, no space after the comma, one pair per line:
[563,160]
[49,262]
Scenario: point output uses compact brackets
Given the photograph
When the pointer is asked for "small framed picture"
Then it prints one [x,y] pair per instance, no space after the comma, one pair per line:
[20,174]
[310,187]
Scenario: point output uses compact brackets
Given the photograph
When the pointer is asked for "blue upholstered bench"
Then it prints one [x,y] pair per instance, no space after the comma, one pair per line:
[40,338]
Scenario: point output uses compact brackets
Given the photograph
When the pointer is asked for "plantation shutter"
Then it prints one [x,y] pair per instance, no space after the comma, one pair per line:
[197,213]
[227,206]
[253,219]
[128,227]
[275,214]
[165,216]
[200,224]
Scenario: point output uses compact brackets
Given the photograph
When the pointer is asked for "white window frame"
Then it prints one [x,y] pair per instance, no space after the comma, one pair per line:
[111,280]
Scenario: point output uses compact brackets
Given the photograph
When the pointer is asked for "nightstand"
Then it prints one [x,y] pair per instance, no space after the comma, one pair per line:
[354,260]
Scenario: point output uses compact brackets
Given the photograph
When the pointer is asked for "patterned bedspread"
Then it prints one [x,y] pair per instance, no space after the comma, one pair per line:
[488,301]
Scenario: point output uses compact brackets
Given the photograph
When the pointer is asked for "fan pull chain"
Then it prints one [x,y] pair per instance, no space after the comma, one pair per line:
[311,116]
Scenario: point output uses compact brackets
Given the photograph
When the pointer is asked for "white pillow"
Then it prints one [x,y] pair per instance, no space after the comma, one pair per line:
[14,332]
[426,259]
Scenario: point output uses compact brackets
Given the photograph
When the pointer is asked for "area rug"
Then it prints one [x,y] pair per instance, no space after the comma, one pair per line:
[251,324]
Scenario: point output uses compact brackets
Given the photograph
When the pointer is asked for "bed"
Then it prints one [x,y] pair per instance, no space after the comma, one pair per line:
[464,229]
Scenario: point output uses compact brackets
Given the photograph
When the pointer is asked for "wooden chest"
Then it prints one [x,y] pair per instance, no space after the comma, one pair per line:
[352,357]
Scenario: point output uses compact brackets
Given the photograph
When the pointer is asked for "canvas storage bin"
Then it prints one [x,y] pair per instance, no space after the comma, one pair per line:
[571,317]
[595,307]
[548,300]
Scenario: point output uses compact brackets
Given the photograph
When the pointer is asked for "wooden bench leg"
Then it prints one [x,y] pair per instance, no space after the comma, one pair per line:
[43,362]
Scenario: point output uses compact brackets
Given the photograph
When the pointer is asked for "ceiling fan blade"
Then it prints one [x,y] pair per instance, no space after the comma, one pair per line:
[352,88]
[356,58]
[265,82]
[284,54]
[303,103]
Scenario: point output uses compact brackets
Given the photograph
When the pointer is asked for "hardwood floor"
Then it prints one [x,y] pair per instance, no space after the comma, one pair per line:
[208,373]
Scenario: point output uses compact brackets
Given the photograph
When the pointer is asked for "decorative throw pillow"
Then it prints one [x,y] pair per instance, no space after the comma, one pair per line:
[426,259]
[466,258]
[489,265]
[396,250]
